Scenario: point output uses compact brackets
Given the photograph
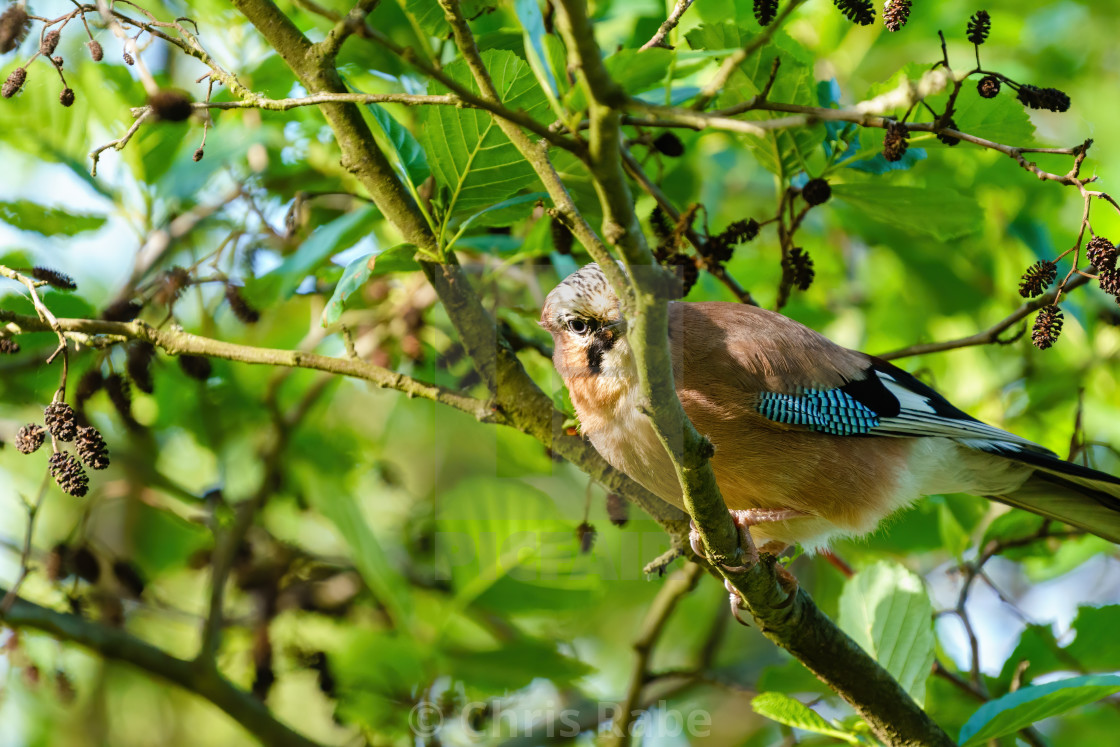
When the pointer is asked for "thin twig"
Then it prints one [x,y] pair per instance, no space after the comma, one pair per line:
[666,28]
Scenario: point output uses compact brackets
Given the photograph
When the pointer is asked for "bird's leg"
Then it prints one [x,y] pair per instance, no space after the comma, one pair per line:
[744,520]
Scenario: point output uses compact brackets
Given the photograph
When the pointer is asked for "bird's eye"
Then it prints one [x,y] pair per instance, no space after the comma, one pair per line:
[578,326]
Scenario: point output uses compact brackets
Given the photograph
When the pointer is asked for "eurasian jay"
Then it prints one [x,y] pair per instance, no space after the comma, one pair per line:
[812,440]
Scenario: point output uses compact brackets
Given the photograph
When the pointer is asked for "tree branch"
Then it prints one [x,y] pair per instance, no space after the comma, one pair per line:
[117,645]
[667,27]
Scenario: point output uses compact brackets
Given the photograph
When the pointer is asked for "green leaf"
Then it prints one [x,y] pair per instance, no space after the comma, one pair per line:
[782,152]
[886,610]
[1095,644]
[786,710]
[637,72]
[939,213]
[505,547]
[353,277]
[429,15]
[501,214]
[877,164]
[1029,705]
[342,509]
[410,156]
[320,246]
[400,258]
[472,159]
[30,216]
[529,14]
[1002,119]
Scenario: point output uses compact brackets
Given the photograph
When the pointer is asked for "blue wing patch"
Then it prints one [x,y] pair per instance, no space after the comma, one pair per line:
[832,411]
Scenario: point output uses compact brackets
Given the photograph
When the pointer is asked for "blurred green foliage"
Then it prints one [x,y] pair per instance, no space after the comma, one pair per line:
[410,555]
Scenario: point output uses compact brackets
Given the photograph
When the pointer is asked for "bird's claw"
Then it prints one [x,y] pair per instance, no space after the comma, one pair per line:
[743,521]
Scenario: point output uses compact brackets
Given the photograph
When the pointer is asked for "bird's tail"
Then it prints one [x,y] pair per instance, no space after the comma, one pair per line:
[1070,493]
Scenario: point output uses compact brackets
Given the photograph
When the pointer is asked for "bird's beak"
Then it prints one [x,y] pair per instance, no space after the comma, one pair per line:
[616,329]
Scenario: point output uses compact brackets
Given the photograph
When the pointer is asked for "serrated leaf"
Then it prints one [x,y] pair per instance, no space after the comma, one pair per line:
[353,277]
[886,610]
[1002,119]
[1029,705]
[323,243]
[939,213]
[410,156]
[49,221]
[785,710]
[470,156]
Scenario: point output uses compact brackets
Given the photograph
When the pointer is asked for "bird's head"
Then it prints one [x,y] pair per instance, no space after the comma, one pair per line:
[588,329]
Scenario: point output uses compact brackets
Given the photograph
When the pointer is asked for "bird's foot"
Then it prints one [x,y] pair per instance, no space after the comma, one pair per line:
[744,520]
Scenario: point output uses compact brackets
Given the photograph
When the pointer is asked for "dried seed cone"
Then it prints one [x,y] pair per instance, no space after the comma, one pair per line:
[562,239]
[54,278]
[1109,281]
[8,347]
[764,11]
[816,191]
[122,311]
[120,394]
[1037,279]
[170,106]
[895,141]
[1101,253]
[57,562]
[949,140]
[129,577]
[13,83]
[239,306]
[860,12]
[49,42]
[799,265]
[979,26]
[128,59]
[14,24]
[895,14]
[689,273]
[988,86]
[86,565]
[669,144]
[66,98]
[68,473]
[89,385]
[586,534]
[91,448]
[1047,327]
[138,363]
[618,509]
[1043,98]
[195,366]
[198,154]
[30,438]
[60,421]
[95,50]
[661,225]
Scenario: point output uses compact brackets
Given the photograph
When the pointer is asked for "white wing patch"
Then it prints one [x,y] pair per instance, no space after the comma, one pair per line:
[919,417]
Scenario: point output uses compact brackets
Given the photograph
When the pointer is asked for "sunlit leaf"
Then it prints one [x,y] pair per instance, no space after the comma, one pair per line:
[1029,705]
